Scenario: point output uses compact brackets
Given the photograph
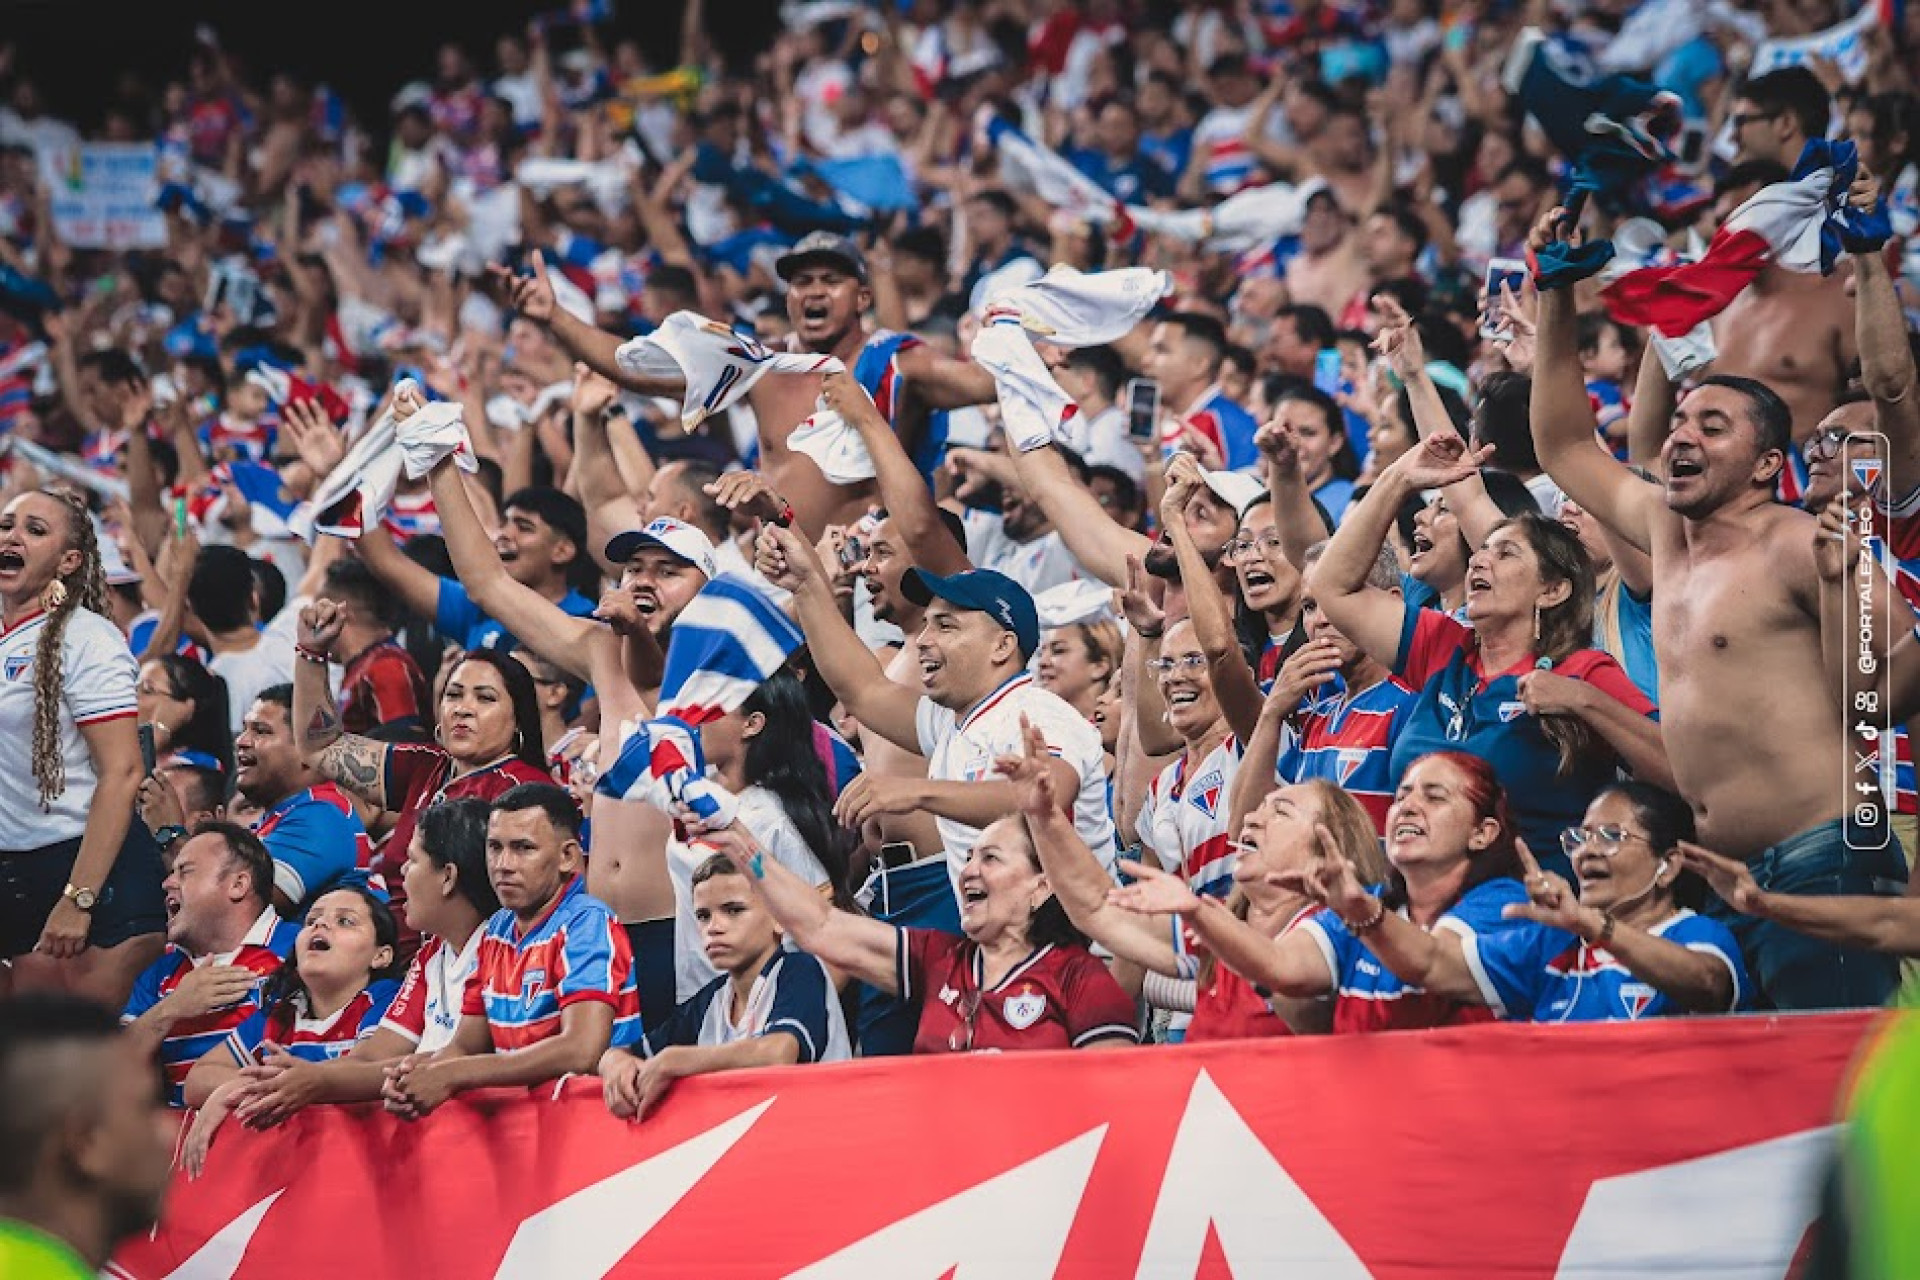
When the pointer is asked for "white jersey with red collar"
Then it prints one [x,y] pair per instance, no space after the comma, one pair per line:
[97,675]
[1184,819]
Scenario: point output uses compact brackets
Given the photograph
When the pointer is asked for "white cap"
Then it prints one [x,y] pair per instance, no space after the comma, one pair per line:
[119,573]
[677,536]
[1235,488]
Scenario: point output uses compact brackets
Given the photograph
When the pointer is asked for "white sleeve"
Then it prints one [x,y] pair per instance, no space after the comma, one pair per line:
[764,815]
[97,670]
[934,725]
[985,535]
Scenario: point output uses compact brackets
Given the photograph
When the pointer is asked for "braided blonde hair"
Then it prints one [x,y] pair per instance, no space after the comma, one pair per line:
[86,589]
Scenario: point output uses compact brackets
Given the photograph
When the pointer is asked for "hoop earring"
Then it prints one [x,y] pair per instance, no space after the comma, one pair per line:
[439,731]
[53,596]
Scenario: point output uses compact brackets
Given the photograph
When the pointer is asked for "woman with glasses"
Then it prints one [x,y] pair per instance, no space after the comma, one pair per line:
[1621,947]
[1451,852]
[1020,978]
[1520,687]
[187,706]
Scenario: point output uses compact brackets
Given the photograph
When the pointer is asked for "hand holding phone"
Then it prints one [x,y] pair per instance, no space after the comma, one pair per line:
[1502,274]
[1143,409]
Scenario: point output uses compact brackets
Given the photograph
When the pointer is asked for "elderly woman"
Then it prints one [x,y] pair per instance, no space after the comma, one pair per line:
[1622,948]
[1450,844]
[1275,840]
[1519,686]
[1021,977]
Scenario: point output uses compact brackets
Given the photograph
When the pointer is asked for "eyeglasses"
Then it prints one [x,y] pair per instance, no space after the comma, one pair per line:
[1827,440]
[1741,120]
[1266,544]
[1604,839]
[961,1041]
[147,689]
[1186,662]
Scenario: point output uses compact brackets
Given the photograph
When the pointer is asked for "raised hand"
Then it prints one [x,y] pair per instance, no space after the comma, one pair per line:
[1398,339]
[1029,771]
[1330,880]
[1311,666]
[1153,892]
[783,558]
[845,396]
[1732,880]
[1836,544]
[1281,448]
[617,610]
[318,442]
[1552,901]
[530,295]
[748,493]
[1439,460]
[1183,481]
[1142,611]
[321,622]
[591,392]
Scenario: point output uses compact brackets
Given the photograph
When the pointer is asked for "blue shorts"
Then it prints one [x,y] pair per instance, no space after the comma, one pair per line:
[917,896]
[130,905]
[1793,971]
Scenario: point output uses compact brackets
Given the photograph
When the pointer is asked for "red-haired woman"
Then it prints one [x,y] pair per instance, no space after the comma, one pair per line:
[1454,868]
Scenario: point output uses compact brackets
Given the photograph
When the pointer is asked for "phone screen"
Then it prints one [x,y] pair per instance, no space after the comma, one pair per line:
[1143,408]
[148,756]
[1327,373]
[1502,274]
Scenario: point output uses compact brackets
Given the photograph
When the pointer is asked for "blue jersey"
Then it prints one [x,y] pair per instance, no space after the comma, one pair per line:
[576,951]
[317,842]
[1347,741]
[1460,707]
[1623,626]
[313,1039]
[1336,495]
[1532,973]
[792,996]
[458,618]
[1134,182]
[1368,997]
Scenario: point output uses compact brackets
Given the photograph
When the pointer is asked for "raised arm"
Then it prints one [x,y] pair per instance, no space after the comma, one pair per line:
[1886,924]
[903,492]
[942,382]
[1295,518]
[1235,686]
[1100,545]
[532,297]
[844,661]
[601,480]
[858,945]
[413,584]
[1564,427]
[534,620]
[1432,961]
[356,763]
[1292,965]
[1074,873]
[1886,363]
[1650,416]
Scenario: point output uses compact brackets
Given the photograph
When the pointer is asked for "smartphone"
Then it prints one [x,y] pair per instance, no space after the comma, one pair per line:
[1502,273]
[1143,409]
[149,757]
[1328,374]
[852,552]
[1690,147]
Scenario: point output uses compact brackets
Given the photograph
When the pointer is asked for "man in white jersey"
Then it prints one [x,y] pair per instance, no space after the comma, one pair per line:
[980,631]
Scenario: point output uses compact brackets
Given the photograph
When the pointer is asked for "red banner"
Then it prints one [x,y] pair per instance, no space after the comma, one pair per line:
[1670,1148]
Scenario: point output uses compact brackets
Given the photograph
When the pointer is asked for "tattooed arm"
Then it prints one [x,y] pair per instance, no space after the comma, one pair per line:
[356,763]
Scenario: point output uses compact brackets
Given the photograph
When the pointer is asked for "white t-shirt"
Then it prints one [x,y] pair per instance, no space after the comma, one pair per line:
[1036,565]
[960,750]
[729,558]
[1184,819]
[763,815]
[97,675]
[442,975]
[268,663]
[1109,445]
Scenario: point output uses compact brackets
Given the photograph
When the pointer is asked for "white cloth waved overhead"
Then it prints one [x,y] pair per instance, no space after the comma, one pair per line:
[357,492]
[718,365]
[1255,216]
[1067,308]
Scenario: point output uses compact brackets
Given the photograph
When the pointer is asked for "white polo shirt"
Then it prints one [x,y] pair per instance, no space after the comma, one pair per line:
[960,750]
[97,675]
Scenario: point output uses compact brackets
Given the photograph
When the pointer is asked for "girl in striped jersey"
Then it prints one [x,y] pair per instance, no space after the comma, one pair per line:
[330,995]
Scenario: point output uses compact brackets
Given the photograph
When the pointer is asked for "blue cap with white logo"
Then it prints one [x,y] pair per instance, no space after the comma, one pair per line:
[988,592]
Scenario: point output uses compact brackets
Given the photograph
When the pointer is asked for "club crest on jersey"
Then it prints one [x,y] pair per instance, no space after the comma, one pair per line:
[17,666]
[1204,794]
[1866,473]
[1347,762]
[948,995]
[532,981]
[1511,711]
[1023,1010]
[1636,996]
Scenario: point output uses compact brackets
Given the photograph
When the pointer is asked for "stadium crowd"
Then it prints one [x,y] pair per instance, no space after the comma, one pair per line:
[987,527]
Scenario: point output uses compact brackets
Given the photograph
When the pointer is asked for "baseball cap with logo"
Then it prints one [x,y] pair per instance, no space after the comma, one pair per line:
[676,536]
[982,590]
[823,247]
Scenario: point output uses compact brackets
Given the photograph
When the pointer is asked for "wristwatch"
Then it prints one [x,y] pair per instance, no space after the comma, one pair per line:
[166,837]
[81,898]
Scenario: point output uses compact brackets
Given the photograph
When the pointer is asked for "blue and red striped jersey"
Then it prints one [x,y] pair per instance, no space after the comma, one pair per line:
[313,1039]
[576,951]
[1348,740]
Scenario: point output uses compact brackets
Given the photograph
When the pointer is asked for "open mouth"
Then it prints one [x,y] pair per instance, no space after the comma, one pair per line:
[1407,830]
[929,668]
[1683,468]
[507,552]
[12,561]
[1422,544]
[1182,697]
[1256,579]
[318,943]
[1479,582]
[646,602]
[972,897]
[815,313]
[173,905]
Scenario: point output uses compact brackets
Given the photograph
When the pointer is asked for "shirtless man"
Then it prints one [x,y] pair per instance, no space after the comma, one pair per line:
[1329,269]
[1793,332]
[1739,612]
[827,294]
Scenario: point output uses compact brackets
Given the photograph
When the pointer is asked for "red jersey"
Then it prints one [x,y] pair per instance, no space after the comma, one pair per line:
[417,776]
[1057,998]
[382,688]
[1231,1008]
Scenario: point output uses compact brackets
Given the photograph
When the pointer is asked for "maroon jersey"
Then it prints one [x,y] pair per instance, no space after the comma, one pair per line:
[1057,998]
[383,688]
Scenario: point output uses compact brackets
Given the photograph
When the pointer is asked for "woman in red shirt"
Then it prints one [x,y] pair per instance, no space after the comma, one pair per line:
[1277,838]
[1021,977]
[488,738]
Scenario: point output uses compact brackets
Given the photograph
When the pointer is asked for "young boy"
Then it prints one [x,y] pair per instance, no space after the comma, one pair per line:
[1605,359]
[769,1006]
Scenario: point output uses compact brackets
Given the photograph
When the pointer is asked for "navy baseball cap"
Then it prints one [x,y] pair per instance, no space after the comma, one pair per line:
[823,246]
[982,590]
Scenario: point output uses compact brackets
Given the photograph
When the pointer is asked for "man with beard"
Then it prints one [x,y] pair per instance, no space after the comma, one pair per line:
[86,1147]
[1762,788]
[827,295]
